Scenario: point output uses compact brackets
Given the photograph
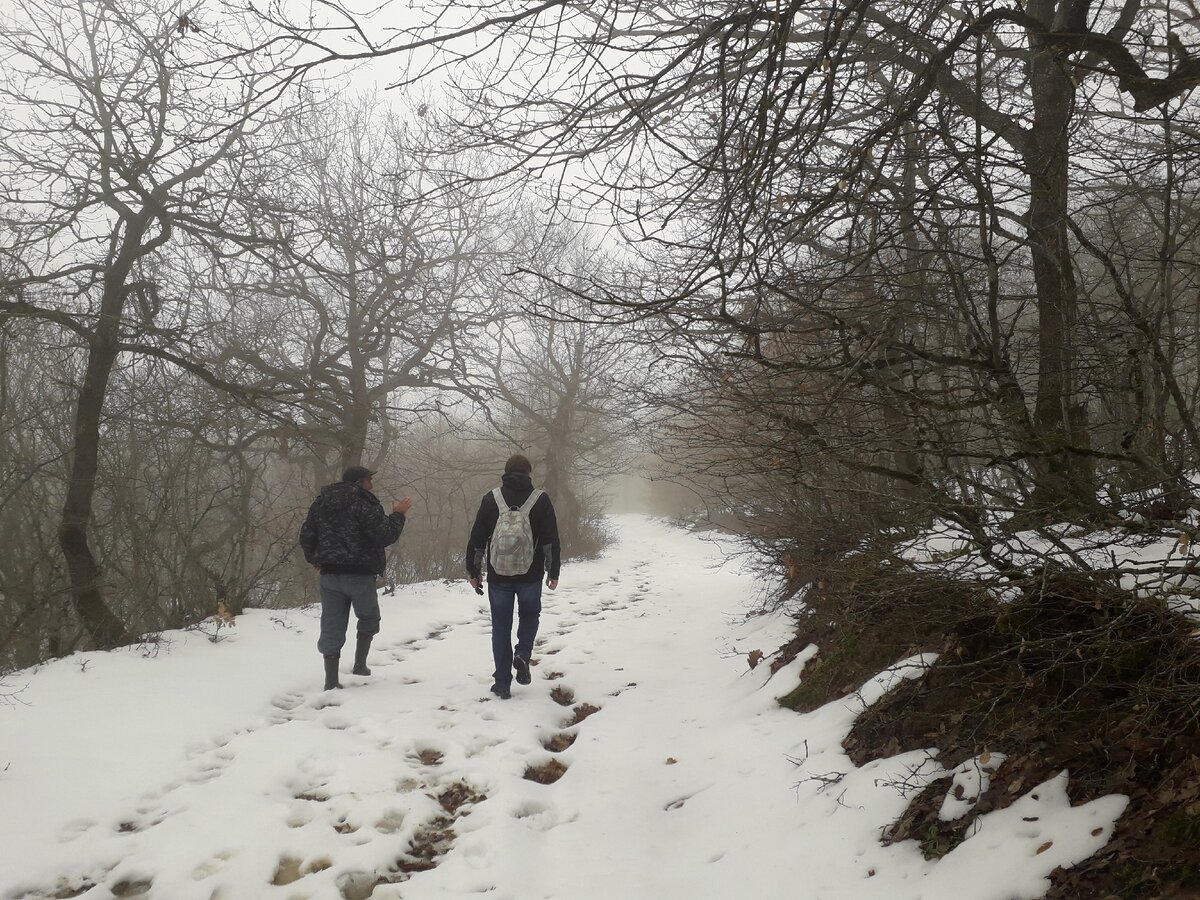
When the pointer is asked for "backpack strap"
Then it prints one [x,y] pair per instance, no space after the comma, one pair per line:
[502,504]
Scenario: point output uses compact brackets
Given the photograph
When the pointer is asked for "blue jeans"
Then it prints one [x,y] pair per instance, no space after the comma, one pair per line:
[339,593]
[527,597]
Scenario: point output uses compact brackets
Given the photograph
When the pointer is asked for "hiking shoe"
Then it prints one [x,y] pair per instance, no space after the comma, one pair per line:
[502,692]
[522,667]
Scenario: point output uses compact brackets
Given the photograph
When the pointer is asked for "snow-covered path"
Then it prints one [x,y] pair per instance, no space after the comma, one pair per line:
[218,771]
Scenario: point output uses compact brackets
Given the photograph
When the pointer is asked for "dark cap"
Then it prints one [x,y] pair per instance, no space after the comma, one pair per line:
[357,473]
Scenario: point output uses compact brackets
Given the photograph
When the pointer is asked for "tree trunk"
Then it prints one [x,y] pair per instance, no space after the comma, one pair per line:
[566,504]
[352,439]
[1063,478]
[102,625]
[356,418]
[906,458]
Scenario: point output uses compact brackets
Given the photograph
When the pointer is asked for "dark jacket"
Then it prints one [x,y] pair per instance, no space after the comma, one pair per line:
[347,529]
[515,487]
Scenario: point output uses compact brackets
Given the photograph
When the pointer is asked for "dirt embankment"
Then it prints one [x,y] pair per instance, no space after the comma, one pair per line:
[1075,674]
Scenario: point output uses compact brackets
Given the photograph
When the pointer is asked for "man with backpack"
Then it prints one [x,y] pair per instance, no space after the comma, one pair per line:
[516,532]
[343,538]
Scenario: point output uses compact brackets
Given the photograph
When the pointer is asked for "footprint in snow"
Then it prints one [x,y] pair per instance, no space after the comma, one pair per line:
[315,794]
[546,773]
[562,695]
[540,816]
[75,828]
[287,701]
[298,819]
[427,847]
[337,721]
[560,742]
[138,823]
[390,822]
[206,773]
[286,707]
[325,699]
[426,755]
[129,889]
[582,711]
[481,745]
[343,825]
[290,869]
[211,866]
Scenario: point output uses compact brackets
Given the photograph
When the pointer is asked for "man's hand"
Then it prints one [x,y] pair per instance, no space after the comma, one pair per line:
[474,582]
[552,583]
[402,506]
[316,566]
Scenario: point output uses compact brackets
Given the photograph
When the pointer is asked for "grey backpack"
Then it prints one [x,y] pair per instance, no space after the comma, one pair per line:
[510,550]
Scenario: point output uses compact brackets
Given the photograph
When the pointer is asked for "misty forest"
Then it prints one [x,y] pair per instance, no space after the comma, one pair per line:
[896,302]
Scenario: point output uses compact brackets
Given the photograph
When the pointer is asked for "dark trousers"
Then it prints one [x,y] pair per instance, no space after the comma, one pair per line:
[340,594]
[526,596]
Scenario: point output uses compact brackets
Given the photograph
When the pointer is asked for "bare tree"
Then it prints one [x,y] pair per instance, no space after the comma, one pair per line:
[701,115]
[129,128]
[565,385]
[368,311]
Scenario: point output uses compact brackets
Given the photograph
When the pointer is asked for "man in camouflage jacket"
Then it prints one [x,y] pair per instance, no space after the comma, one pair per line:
[344,537]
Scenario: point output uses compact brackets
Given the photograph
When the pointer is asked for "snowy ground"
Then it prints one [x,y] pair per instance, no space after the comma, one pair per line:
[1152,562]
[219,771]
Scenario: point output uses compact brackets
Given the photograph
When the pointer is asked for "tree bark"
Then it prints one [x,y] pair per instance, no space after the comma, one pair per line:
[103,626]
[1063,478]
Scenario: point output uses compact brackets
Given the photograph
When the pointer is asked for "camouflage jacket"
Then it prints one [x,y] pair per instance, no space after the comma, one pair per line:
[346,530]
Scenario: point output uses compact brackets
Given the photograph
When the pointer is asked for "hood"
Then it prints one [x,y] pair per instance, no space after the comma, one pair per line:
[339,495]
[517,482]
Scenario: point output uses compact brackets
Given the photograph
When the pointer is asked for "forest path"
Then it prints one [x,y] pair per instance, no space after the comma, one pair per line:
[644,761]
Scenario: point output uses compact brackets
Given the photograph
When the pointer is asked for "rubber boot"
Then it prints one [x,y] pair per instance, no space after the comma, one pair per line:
[360,655]
[331,672]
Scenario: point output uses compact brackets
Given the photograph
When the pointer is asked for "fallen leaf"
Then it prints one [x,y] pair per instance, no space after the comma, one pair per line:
[671,760]
[755,656]
[1046,846]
